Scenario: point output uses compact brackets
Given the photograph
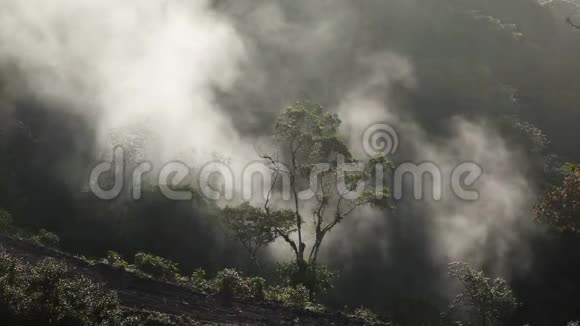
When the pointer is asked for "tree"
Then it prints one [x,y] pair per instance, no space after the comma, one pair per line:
[254,228]
[491,300]
[311,156]
[560,207]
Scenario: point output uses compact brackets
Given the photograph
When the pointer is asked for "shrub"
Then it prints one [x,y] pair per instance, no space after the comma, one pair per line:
[317,278]
[156,266]
[364,314]
[116,261]
[6,221]
[47,294]
[255,287]
[288,295]
[199,280]
[490,300]
[46,238]
[228,283]
[298,296]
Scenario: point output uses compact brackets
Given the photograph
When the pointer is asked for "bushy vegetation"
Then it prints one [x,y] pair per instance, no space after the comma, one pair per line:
[296,296]
[200,281]
[560,206]
[156,266]
[254,228]
[316,278]
[488,301]
[49,293]
[46,294]
[46,238]
[366,315]
[230,283]
[31,293]
[114,259]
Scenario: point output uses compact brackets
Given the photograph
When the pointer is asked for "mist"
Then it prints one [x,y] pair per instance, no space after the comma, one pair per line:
[204,80]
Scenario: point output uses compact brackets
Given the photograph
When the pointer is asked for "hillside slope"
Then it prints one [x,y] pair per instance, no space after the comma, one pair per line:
[169,298]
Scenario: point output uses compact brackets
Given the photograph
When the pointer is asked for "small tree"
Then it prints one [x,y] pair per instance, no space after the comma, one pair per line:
[491,300]
[254,228]
[311,156]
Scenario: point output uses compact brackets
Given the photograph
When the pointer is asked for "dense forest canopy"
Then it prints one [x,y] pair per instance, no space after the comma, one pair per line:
[292,84]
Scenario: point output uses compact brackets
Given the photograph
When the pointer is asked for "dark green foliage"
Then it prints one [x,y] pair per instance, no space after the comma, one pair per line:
[46,238]
[255,228]
[115,260]
[200,281]
[307,136]
[47,294]
[156,266]
[296,296]
[560,207]
[316,278]
[488,301]
[228,282]
[256,286]
[366,315]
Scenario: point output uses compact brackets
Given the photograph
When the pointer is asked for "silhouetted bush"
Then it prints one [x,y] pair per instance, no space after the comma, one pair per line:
[228,283]
[316,278]
[46,238]
[255,286]
[200,281]
[47,294]
[288,295]
[156,266]
[115,260]
[364,314]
